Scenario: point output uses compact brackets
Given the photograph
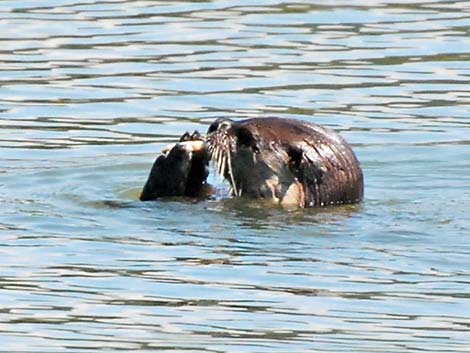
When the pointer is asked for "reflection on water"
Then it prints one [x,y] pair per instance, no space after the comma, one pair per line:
[90,91]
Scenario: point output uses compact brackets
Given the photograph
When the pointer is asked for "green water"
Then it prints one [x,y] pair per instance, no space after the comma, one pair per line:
[91,91]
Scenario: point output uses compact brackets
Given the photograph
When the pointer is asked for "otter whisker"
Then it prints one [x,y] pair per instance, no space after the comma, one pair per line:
[230,172]
[221,146]
[218,152]
[223,165]
[219,163]
[212,153]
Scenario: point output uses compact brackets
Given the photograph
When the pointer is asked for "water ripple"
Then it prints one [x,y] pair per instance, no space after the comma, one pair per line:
[91,91]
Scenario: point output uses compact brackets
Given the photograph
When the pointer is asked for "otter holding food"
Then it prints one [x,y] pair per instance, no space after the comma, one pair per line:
[291,162]
[181,170]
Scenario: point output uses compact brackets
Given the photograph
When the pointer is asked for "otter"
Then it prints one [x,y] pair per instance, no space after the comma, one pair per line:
[290,162]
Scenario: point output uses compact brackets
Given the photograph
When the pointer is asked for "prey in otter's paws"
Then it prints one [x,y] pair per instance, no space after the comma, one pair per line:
[181,170]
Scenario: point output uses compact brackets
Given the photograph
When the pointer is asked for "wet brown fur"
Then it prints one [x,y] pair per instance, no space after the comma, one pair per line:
[289,161]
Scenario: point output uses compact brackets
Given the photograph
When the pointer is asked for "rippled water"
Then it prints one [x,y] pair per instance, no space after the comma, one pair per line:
[90,91]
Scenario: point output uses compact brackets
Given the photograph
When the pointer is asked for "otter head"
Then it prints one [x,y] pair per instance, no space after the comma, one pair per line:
[181,170]
[253,161]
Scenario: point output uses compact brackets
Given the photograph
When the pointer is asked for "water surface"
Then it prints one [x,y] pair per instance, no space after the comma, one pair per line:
[91,91]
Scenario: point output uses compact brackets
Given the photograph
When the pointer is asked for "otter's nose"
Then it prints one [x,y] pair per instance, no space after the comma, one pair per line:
[220,124]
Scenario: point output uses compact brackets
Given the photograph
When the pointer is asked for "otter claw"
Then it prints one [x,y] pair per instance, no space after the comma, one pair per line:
[191,137]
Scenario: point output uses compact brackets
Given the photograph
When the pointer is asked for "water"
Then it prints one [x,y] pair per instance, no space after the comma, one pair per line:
[90,91]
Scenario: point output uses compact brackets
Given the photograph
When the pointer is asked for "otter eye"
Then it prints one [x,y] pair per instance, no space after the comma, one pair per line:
[213,127]
[245,137]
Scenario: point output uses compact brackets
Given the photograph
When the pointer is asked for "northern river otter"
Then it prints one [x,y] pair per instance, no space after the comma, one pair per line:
[291,162]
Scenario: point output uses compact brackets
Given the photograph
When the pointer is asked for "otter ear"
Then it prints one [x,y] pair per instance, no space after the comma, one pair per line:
[190,137]
[295,158]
